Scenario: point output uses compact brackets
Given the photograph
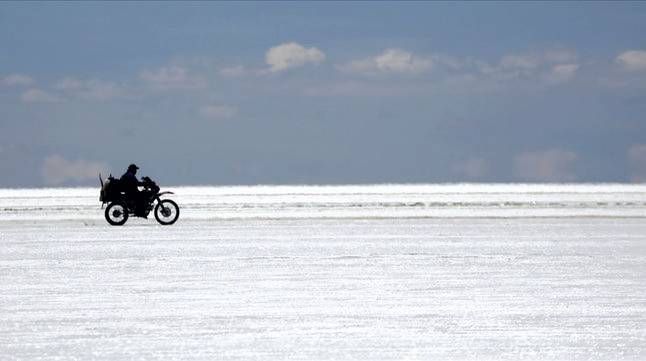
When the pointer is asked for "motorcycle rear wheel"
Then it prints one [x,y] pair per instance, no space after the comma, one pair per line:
[116,213]
[166,212]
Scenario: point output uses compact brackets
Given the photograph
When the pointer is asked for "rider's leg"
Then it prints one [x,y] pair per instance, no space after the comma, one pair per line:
[140,204]
[143,198]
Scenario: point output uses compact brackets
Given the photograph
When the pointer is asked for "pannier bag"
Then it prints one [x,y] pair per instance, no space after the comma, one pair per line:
[110,190]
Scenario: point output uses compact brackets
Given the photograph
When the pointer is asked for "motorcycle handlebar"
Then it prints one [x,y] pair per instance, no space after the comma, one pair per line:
[149,183]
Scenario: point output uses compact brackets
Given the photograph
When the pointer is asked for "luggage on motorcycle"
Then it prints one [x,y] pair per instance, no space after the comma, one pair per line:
[110,189]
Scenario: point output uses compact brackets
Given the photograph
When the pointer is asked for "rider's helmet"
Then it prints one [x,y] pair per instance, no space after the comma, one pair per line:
[132,168]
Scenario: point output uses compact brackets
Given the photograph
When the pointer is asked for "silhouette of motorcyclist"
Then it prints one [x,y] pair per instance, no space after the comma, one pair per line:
[129,185]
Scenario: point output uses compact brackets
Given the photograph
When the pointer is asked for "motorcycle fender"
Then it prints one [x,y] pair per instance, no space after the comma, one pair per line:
[162,193]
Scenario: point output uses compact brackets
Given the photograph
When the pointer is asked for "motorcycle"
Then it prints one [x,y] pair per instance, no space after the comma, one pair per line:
[120,207]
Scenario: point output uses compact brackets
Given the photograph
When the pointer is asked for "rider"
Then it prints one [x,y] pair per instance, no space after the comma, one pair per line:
[129,184]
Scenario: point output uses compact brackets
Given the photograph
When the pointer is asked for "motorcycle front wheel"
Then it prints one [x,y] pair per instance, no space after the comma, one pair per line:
[116,213]
[166,212]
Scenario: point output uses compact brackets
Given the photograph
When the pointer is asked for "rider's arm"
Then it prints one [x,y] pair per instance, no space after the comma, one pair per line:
[143,181]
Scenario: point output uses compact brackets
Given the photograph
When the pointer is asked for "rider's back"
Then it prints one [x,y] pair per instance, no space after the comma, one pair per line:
[128,183]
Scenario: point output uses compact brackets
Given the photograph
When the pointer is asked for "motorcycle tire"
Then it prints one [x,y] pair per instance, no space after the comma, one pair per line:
[166,212]
[116,213]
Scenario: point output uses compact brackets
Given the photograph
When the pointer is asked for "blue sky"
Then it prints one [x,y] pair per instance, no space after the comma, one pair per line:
[323,92]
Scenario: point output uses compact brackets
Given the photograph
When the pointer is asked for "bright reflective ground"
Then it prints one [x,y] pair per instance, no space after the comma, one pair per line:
[375,272]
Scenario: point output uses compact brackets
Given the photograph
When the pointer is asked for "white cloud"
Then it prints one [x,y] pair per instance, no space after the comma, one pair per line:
[100,90]
[637,162]
[396,60]
[35,95]
[562,72]
[218,111]
[450,62]
[472,168]
[355,88]
[632,60]
[536,60]
[525,61]
[17,80]
[69,84]
[57,170]
[292,55]
[90,89]
[390,61]
[553,165]
[552,65]
[234,71]
[172,78]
